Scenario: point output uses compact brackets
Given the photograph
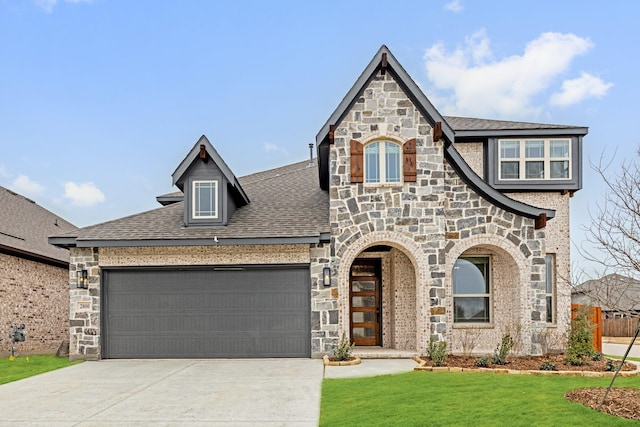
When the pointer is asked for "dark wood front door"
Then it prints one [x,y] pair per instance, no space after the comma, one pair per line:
[364,298]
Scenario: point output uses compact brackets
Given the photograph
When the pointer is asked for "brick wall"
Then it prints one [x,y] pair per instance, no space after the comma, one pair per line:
[37,295]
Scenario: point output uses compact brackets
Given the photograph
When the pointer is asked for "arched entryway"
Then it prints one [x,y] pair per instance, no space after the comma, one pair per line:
[382,291]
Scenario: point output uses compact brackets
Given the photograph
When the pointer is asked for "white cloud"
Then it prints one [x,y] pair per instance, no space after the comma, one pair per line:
[576,90]
[84,194]
[4,173]
[48,5]
[273,148]
[454,6]
[25,186]
[476,84]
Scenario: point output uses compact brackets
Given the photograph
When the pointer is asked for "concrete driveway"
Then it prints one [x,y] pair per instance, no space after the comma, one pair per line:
[168,393]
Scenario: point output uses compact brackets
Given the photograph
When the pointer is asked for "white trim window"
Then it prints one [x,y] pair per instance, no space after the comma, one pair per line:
[534,159]
[382,163]
[550,282]
[205,200]
[472,290]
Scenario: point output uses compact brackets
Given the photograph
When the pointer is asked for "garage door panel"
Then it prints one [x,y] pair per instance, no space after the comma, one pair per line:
[207,313]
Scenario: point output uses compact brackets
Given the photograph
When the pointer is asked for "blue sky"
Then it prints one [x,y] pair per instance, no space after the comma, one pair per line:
[100,100]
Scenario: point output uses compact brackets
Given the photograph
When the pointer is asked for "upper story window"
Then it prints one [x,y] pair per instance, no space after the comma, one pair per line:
[471,290]
[382,163]
[535,159]
[205,199]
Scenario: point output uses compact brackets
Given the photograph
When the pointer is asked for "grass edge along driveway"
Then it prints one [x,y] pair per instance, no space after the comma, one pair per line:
[28,366]
[462,399]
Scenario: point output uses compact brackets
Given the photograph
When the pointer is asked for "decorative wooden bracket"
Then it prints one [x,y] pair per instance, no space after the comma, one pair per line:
[437,131]
[541,221]
[203,154]
[332,133]
[383,64]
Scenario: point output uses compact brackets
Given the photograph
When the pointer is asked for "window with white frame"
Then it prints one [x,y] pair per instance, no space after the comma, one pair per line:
[471,290]
[550,282]
[205,199]
[534,159]
[382,163]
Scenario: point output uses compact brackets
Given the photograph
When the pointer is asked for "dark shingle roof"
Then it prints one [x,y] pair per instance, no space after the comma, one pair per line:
[467,123]
[286,202]
[25,227]
[613,292]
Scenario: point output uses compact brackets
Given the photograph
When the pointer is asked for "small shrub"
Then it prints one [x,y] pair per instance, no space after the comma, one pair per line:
[596,356]
[580,346]
[482,362]
[502,350]
[438,352]
[548,365]
[610,366]
[469,340]
[342,350]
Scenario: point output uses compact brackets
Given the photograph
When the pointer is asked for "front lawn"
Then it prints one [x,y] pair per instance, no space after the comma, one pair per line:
[28,366]
[462,399]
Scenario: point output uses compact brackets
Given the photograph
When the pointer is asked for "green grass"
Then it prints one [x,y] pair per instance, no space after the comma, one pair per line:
[462,399]
[23,366]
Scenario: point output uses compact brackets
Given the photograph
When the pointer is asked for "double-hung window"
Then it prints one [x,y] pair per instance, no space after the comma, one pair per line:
[550,282]
[534,159]
[382,163]
[205,199]
[471,290]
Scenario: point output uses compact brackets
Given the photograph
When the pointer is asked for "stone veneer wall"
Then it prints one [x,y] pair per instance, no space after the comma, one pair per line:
[37,295]
[84,311]
[432,221]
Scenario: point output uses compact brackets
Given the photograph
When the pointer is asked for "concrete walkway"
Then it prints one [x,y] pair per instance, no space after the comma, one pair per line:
[266,392]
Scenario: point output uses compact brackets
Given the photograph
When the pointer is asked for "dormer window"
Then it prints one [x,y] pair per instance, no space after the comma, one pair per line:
[535,159]
[382,163]
[205,199]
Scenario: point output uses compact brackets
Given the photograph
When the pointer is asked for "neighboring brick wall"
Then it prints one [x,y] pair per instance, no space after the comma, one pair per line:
[37,295]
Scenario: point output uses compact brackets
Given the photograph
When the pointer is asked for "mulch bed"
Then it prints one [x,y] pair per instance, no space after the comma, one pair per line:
[533,363]
[622,402]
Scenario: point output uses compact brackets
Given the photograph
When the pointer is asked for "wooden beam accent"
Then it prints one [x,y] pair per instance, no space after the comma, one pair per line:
[437,131]
[332,133]
[571,193]
[564,192]
[383,64]
[541,221]
[203,153]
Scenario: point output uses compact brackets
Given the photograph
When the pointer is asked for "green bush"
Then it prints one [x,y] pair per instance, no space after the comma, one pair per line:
[503,349]
[548,365]
[580,347]
[482,362]
[342,350]
[610,366]
[438,352]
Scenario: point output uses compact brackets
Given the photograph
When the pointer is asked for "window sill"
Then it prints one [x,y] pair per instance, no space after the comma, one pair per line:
[385,185]
[473,325]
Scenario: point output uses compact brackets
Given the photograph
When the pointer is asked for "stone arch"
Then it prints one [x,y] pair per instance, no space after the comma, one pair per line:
[410,249]
[509,290]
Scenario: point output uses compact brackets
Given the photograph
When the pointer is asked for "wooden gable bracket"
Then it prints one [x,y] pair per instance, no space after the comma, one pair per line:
[332,133]
[437,131]
[203,154]
[383,64]
[541,221]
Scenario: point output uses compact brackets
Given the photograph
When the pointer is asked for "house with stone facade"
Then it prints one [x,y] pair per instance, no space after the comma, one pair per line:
[34,275]
[407,227]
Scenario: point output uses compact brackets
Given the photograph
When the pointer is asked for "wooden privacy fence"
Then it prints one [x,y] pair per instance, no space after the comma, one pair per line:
[595,316]
[625,327]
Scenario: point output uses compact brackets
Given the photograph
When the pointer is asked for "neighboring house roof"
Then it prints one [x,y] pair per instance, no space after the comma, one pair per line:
[384,58]
[287,206]
[613,292]
[25,227]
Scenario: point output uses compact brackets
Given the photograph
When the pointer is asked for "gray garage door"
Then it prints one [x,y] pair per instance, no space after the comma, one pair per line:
[198,313]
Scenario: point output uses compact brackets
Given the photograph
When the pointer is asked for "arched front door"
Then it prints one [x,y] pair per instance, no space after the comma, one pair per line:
[365,302]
